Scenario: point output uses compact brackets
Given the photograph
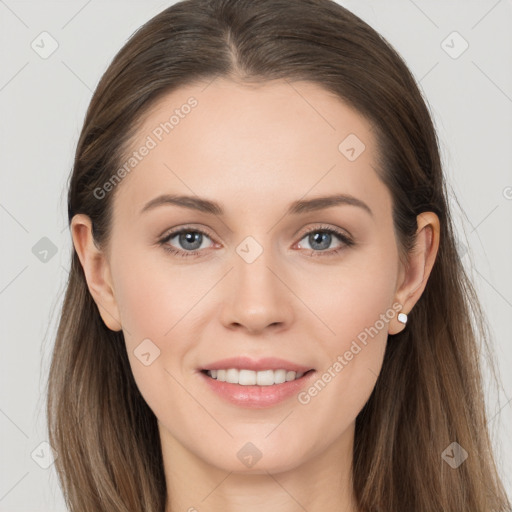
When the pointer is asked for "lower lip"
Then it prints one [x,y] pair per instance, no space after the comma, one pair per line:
[257,397]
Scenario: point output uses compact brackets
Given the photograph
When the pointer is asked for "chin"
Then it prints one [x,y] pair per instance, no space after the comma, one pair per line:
[259,456]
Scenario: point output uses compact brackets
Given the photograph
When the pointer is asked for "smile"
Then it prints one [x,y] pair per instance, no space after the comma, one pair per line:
[254,378]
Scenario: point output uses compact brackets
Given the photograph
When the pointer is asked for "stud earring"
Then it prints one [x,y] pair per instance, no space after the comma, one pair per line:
[402,318]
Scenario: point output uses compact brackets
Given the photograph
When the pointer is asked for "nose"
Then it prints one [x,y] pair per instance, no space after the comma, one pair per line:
[256,296]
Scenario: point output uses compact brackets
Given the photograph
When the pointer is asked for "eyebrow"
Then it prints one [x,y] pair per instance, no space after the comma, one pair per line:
[295,208]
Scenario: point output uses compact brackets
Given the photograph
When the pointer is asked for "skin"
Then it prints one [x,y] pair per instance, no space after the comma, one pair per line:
[255,150]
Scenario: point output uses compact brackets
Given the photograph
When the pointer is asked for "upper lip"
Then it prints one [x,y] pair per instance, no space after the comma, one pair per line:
[265,363]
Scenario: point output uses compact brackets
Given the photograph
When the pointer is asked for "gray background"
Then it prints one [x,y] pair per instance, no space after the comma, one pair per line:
[43,102]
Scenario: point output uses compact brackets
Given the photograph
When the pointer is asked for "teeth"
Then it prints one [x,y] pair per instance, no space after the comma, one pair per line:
[251,378]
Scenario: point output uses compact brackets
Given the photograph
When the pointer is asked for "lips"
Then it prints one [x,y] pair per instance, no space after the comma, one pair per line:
[260,394]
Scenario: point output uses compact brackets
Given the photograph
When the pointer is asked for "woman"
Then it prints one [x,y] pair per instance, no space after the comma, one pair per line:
[265,307]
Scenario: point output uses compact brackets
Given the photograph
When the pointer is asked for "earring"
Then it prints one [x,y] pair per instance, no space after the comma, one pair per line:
[402,318]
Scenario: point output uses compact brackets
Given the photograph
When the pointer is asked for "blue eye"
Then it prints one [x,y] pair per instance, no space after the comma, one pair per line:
[190,240]
[319,239]
[322,239]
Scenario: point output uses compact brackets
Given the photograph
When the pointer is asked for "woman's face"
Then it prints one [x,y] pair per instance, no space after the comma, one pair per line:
[269,272]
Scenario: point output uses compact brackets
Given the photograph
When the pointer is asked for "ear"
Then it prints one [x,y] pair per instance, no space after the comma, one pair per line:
[96,270]
[414,275]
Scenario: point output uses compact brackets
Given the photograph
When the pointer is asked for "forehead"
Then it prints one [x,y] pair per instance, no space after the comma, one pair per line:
[227,140]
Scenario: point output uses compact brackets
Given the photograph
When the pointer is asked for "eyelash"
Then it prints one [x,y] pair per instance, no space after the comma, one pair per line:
[346,241]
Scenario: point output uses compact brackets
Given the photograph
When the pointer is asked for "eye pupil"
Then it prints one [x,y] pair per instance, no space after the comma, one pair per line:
[190,237]
[321,237]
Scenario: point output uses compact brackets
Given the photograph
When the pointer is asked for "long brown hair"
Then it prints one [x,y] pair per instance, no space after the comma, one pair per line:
[429,392]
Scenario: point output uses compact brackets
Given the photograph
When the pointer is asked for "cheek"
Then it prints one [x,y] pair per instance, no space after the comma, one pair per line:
[158,302]
[150,308]
[357,307]
[355,295]
[153,295]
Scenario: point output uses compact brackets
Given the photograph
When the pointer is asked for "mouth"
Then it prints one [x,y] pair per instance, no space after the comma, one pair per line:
[256,389]
[255,383]
[246,377]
